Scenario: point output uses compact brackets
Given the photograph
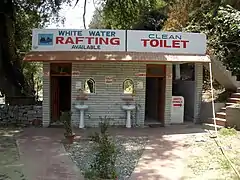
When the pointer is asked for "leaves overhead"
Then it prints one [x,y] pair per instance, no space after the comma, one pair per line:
[131,14]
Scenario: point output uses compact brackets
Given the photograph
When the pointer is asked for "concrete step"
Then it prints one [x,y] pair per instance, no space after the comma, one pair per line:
[221,115]
[229,104]
[219,121]
[211,126]
[223,109]
[238,90]
[235,95]
[234,100]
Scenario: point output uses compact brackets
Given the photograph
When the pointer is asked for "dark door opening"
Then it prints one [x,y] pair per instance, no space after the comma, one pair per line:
[60,86]
[154,105]
[155,94]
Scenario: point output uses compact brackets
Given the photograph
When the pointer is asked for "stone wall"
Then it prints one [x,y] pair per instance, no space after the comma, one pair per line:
[21,114]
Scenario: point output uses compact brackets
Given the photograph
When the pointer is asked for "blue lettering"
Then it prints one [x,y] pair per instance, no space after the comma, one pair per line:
[70,33]
[151,36]
[61,33]
[92,33]
[164,36]
[102,33]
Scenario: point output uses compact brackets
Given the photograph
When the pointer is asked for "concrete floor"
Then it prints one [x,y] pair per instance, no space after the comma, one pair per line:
[44,156]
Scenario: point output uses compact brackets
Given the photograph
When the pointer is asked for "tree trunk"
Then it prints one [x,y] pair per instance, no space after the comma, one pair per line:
[12,81]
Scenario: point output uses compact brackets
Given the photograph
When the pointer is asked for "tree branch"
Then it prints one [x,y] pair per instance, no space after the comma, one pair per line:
[233,43]
[84,13]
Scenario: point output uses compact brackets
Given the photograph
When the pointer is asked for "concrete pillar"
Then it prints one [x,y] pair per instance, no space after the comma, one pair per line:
[168,95]
[46,109]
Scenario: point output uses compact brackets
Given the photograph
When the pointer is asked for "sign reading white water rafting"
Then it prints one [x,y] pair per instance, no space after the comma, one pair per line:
[78,40]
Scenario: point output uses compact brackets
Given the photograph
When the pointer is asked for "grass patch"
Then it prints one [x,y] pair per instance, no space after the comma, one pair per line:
[228,132]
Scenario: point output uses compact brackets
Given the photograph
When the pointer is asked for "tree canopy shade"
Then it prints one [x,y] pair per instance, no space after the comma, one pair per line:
[219,19]
[17,19]
[223,32]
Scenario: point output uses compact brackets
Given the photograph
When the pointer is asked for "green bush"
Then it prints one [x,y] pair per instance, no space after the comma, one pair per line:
[65,118]
[103,166]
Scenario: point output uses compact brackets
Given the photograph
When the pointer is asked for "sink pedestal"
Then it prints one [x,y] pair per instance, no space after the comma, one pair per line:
[81,109]
[128,109]
[128,123]
[81,117]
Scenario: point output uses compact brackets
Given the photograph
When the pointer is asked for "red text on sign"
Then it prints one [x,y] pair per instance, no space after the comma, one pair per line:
[88,40]
[165,43]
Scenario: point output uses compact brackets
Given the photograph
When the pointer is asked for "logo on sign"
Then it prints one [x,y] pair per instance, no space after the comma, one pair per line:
[45,39]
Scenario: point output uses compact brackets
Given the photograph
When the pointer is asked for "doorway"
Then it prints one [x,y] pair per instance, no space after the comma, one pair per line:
[155,94]
[60,86]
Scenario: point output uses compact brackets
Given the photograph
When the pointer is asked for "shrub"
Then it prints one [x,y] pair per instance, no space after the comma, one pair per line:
[65,118]
[103,166]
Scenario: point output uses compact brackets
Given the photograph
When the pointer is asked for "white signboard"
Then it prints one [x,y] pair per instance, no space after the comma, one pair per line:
[139,85]
[166,42]
[177,110]
[78,85]
[78,40]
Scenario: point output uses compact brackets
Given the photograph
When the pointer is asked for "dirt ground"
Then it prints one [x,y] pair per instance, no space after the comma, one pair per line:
[206,161]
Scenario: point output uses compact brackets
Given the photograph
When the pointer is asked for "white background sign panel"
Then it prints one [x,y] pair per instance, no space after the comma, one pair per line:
[78,40]
[177,110]
[166,42]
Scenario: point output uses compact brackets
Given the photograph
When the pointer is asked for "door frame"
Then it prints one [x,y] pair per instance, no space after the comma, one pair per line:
[161,95]
[57,76]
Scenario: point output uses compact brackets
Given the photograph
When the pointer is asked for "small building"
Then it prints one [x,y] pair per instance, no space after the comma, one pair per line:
[110,65]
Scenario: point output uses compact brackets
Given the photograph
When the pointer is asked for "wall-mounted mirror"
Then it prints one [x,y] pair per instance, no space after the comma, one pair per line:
[90,86]
[128,86]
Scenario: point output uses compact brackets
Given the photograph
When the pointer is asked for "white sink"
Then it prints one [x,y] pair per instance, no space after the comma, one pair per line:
[128,107]
[81,107]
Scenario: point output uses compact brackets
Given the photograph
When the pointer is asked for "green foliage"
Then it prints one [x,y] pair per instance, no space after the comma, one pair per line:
[222,31]
[131,14]
[29,15]
[65,118]
[103,166]
[228,132]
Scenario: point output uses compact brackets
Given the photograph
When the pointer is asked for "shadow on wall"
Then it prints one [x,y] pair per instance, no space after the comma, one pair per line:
[206,110]
[187,90]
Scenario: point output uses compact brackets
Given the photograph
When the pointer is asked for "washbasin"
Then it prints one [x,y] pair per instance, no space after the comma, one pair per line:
[128,107]
[81,107]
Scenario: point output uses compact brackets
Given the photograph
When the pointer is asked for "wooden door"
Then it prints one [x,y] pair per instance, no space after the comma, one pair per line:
[55,113]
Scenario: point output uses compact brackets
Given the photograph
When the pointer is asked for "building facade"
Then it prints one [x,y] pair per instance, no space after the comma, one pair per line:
[109,67]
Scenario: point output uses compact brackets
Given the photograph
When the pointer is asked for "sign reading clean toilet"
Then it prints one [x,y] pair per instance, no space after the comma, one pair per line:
[166,42]
[78,40]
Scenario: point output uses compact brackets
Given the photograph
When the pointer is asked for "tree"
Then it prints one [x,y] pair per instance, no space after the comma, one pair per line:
[222,30]
[17,18]
[97,20]
[141,15]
